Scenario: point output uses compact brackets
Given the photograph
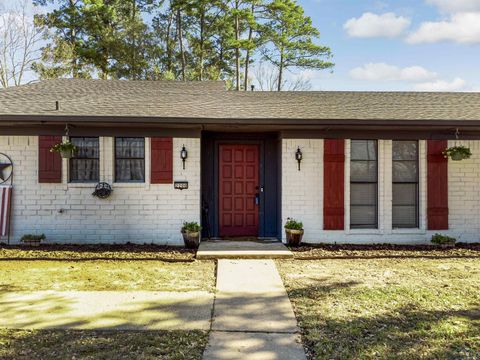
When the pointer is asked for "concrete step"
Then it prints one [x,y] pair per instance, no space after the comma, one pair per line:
[232,249]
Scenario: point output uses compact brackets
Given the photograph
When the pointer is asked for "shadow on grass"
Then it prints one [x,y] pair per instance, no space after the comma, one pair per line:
[93,344]
[403,332]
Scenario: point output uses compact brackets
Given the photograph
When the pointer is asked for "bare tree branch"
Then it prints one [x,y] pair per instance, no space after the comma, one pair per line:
[19,44]
[266,77]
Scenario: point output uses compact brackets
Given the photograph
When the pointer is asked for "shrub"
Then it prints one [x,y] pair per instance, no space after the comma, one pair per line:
[293,224]
[31,237]
[191,226]
[443,239]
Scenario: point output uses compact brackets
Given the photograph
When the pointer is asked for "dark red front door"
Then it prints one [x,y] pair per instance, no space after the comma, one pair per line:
[239,181]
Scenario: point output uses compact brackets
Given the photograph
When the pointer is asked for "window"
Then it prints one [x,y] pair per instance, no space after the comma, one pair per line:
[405,184]
[84,166]
[129,159]
[363,184]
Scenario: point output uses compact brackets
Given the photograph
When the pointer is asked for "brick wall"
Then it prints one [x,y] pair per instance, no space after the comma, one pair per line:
[302,196]
[68,213]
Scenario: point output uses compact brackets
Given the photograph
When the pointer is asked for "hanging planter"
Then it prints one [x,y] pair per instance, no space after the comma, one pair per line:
[457,153]
[66,149]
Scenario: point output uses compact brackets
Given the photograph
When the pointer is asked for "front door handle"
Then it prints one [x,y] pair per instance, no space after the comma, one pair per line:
[257,198]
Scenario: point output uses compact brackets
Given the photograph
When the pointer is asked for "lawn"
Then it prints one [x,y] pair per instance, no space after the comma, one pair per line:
[104,275]
[90,344]
[410,308]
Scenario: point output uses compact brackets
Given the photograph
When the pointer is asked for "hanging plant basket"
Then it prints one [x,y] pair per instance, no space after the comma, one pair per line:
[66,149]
[457,153]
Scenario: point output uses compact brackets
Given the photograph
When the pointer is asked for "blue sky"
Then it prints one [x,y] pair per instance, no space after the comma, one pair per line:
[431,44]
[399,45]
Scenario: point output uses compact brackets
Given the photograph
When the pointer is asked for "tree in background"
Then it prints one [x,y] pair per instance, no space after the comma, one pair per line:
[291,38]
[177,39]
[19,40]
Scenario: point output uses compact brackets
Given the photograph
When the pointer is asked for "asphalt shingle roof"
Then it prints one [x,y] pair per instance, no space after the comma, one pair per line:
[210,100]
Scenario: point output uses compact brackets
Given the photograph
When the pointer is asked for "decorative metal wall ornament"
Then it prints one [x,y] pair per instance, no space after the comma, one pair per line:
[6,168]
[102,190]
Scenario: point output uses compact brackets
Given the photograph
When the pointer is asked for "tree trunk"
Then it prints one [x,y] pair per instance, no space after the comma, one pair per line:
[280,72]
[202,40]
[168,42]
[237,49]
[134,45]
[73,42]
[180,40]
[247,56]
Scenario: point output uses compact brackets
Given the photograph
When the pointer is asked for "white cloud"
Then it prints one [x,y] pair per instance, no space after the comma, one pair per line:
[462,28]
[372,25]
[455,6]
[458,84]
[386,72]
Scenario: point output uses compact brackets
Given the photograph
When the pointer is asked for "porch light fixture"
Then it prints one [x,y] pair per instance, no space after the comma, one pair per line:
[298,157]
[183,155]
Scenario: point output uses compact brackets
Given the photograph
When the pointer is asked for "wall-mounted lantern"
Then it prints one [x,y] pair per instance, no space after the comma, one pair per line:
[298,157]
[183,155]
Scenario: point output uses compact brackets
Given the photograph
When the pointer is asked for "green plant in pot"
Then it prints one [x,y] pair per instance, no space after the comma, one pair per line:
[457,153]
[32,240]
[293,232]
[443,241]
[191,234]
[65,148]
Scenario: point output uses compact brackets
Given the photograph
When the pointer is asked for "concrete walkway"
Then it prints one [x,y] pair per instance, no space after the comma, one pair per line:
[119,310]
[253,318]
[235,249]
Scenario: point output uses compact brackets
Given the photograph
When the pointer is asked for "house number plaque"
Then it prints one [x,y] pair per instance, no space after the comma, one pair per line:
[180,185]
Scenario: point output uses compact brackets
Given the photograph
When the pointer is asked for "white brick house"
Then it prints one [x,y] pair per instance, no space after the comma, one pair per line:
[243,177]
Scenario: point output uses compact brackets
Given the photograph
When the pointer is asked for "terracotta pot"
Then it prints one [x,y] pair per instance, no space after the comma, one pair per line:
[31,242]
[191,239]
[294,237]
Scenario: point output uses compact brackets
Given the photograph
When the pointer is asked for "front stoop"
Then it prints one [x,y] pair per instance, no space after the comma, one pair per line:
[233,249]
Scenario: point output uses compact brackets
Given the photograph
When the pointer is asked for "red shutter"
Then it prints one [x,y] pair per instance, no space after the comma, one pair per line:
[437,183]
[49,163]
[162,161]
[333,184]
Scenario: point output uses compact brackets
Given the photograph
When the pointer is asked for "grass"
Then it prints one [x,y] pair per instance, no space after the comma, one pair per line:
[410,308]
[90,344]
[106,275]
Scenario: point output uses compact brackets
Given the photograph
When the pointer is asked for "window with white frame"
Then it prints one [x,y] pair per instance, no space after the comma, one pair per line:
[85,164]
[129,159]
[405,184]
[364,184]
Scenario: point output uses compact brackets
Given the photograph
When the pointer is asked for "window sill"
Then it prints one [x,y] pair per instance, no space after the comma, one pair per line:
[130,185]
[364,232]
[408,231]
[82,185]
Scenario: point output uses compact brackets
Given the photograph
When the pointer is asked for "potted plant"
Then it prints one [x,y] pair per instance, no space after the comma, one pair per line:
[443,241]
[191,234]
[66,149]
[32,240]
[294,232]
[457,153]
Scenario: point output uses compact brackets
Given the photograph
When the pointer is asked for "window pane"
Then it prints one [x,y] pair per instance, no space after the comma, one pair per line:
[364,150]
[130,170]
[405,171]
[405,150]
[404,194]
[363,217]
[130,147]
[363,194]
[404,216]
[84,166]
[363,171]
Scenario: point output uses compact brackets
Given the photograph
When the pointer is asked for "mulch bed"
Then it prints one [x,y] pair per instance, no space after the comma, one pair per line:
[97,252]
[333,251]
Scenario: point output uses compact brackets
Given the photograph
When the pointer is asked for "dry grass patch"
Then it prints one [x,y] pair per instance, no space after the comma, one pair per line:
[90,344]
[387,308]
[107,275]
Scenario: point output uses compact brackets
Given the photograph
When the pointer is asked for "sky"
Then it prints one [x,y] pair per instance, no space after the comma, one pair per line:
[401,45]
[396,45]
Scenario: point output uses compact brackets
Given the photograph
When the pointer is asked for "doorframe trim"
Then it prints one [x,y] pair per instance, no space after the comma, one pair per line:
[216,187]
